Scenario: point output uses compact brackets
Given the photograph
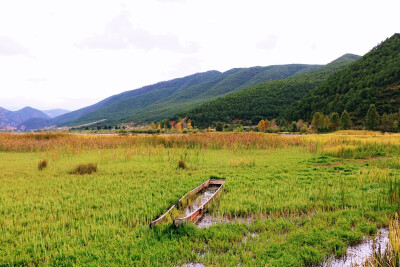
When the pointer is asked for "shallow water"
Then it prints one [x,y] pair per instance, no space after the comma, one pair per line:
[357,255]
[193,264]
[209,220]
[200,199]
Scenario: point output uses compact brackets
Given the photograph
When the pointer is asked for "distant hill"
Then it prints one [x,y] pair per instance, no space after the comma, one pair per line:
[373,79]
[32,123]
[265,100]
[4,121]
[164,99]
[88,114]
[14,118]
[52,113]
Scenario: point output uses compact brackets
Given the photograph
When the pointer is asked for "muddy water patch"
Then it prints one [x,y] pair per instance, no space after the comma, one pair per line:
[357,255]
[201,255]
[193,264]
[208,220]
[197,201]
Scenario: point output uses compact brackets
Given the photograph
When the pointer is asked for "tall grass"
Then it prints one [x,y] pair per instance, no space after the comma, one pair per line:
[303,202]
[391,256]
[49,141]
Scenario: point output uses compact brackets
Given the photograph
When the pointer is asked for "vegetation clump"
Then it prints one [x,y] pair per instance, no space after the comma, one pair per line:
[181,164]
[42,164]
[82,169]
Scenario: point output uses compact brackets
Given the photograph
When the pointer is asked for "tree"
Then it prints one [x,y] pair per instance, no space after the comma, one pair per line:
[153,126]
[334,121]
[372,119]
[261,126]
[178,126]
[386,123]
[345,120]
[189,124]
[299,125]
[218,128]
[317,120]
[327,123]
[267,124]
[395,126]
[293,126]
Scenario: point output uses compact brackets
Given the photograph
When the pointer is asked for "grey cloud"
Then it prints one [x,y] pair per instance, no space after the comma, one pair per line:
[10,47]
[120,34]
[269,43]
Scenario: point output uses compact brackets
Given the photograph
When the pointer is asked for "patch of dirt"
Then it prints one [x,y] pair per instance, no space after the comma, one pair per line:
[334,164]
[363,161]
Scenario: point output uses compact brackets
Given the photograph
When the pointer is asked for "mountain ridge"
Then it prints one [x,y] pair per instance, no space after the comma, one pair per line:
[265,100]
[14,118]
[160,100]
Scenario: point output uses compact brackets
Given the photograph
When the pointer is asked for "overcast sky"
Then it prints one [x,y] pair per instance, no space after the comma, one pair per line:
[70,54]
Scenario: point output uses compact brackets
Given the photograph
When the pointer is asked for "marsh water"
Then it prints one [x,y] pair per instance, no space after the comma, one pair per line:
[198,200]
[357,255]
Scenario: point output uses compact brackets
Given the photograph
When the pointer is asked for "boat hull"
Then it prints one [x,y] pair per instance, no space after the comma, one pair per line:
[196,214]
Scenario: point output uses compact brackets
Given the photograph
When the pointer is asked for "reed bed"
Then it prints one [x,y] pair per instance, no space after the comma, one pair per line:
[47,141]
[303,199]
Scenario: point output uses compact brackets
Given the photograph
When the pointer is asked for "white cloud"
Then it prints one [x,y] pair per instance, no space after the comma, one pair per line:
[94,49]
[175,1]
[119,33]
[185,67]
[10,47]
[269,43]
[36,79]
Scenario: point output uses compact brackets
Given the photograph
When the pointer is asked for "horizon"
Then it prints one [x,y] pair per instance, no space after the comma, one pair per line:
[56,62]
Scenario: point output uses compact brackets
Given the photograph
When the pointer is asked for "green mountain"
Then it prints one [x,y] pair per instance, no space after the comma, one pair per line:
[164,99]
[96,112]
[265,100]
[373,79]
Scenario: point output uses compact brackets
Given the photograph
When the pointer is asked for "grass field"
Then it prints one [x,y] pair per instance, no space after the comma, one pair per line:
[308,197]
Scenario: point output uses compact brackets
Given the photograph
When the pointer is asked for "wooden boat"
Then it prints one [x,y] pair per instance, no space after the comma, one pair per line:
[192,205]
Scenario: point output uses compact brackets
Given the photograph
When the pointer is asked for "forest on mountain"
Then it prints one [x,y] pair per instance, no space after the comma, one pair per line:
[266,100]
[164,99]
[288,97]
[373,79]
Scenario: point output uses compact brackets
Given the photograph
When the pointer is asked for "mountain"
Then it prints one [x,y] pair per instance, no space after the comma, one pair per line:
[265,100]
[14,118]
[52,113]
[373,79]
[4,121]
[32,123]
[146,94]
[164,99]
[25,114]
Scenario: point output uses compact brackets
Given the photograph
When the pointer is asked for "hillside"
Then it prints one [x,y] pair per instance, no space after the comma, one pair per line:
[373,79]
[52,113]
[161,100]
[87,113]
[265,100]
[32,123]
[14,118]
[4,121]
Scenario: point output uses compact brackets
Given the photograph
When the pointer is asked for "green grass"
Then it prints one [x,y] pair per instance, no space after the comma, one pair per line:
[306,206]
